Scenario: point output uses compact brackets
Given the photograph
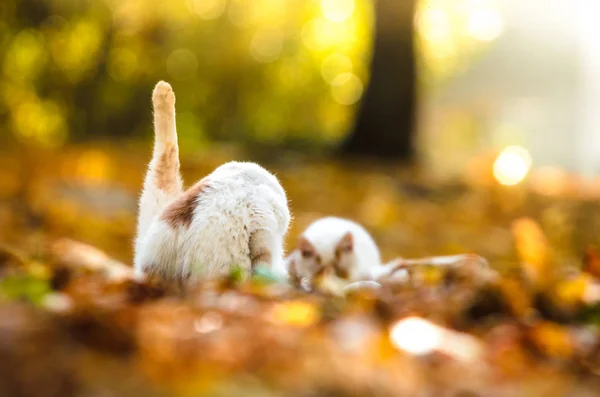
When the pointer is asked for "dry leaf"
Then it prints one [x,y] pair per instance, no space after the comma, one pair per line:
[533,250]
[591,261]
[553,340]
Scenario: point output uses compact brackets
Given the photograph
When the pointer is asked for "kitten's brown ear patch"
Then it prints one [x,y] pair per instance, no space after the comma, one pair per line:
[167,168]
[346,243]
[180,212]
[307,249]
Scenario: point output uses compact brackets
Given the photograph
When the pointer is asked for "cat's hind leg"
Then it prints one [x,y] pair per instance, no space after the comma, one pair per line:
[163,181]
[266,249]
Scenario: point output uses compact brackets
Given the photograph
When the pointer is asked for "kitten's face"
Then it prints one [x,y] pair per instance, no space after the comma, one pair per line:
[343,262]
[312,263]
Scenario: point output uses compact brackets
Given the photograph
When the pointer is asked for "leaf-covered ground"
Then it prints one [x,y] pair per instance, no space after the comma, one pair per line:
[74,323]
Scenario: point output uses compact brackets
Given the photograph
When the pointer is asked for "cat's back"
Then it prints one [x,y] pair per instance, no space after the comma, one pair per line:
[241,190]
[222,211]
[227,201]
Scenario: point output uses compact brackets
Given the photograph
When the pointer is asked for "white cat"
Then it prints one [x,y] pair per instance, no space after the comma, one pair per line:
[339,246]
[344,248]
[236,216]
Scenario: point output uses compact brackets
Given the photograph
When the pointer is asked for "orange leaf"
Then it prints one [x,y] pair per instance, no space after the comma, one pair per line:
[553,340]
[591,261]
[533,249]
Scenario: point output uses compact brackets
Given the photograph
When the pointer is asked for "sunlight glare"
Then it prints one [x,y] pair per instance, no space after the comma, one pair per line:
[512,165]
[337,10]
[320,33]
[434,24]
[485,25]
[416,335]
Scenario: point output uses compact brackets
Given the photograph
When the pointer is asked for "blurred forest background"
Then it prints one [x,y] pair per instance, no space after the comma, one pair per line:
[491,103]
[268,71]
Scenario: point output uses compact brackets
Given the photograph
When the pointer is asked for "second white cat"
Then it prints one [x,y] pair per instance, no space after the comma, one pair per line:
[342,247]
[339,246]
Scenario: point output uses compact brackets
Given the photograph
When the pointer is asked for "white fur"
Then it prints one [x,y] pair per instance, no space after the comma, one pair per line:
[153,199]
[325,234]
[242,211]
[364,262]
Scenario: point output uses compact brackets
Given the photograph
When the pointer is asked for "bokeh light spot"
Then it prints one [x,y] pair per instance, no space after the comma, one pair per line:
[416,336]
[238,14]
[295,313]
[122,64]
[312,34]
[208,9]
[266,44]
[512,165]
[346,89]
[25,56]
[334,65]
[434,24]
[182,64]
[40,122]
[209,322]
[94,167]
[337,10]
[485,25]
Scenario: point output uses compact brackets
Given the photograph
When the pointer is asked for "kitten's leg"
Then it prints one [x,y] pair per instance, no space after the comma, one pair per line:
[362,286]
[401,268]
[394,270]
[163,182]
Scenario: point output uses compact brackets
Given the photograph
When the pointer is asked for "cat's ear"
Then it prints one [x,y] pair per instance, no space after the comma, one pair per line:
[346,243]
[307,249]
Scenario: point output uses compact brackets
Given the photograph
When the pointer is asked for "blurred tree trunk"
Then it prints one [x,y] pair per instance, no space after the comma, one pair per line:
[385,124]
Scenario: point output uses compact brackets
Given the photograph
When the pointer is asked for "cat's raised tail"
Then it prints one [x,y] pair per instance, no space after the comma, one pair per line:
[163,181]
